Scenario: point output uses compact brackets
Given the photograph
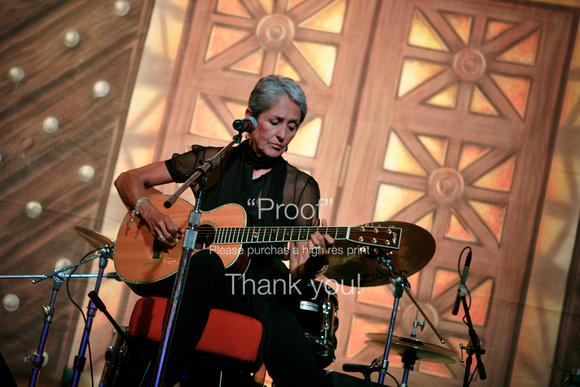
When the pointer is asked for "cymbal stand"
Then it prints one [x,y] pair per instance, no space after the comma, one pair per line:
[473,348]
[398,285]
[409,364]
[409,361]
[38,358]
[424,316]
[80,359]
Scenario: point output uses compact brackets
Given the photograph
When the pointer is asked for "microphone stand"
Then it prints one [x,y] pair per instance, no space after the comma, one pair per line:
[38,358]
[473,349]
[188,246]
[80,360]
[59,276]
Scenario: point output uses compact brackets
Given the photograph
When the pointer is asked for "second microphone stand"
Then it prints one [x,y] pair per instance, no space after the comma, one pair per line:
[473,348]
[80,359]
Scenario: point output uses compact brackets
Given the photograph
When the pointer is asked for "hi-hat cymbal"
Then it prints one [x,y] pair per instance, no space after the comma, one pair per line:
[356,264]
[411,349]
[94,238]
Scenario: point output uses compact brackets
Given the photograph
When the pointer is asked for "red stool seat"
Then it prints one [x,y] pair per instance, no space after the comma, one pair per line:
[228,334]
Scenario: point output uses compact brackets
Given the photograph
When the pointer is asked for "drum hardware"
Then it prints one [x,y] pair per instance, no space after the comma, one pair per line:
[416,324]
[114,355]
[318,316]
[118,352]
[412,350]
[379,267]
[411,347]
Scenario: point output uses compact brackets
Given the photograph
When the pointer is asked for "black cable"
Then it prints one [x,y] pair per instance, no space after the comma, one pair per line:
[396,381]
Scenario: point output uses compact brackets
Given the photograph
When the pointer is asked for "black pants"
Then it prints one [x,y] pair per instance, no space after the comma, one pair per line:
[288,357]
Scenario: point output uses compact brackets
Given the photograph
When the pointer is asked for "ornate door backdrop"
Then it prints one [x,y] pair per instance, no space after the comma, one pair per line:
[231,44]
[455,134]
[439,113]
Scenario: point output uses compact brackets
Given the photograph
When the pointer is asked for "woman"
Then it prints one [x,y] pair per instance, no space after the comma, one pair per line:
[273,193]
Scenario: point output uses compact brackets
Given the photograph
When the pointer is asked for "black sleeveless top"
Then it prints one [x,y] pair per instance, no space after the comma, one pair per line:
[285,196]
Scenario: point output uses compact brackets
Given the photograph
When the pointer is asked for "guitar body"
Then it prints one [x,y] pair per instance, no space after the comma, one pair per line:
[139,260]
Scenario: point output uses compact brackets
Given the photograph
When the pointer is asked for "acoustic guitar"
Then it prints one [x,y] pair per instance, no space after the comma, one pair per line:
[140,260]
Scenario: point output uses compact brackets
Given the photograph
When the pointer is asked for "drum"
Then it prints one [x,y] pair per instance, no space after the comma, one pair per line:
[114,358]
[318,316]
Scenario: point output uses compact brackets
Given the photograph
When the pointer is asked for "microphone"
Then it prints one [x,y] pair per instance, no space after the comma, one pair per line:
[97,301]
[101,306]
[363,369]
[346,367]
[461,284]
[248,124]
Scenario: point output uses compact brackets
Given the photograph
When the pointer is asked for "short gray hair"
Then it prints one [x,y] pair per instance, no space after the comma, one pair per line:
[270,88]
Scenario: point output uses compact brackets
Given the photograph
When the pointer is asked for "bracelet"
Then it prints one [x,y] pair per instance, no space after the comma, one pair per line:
[322,271]
[135,211]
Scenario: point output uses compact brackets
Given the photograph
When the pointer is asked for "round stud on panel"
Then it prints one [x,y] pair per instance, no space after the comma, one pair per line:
[72,38]
[33,209]
[122,7]
[86,173]
[101,89]
[11,302]
[16,74]
[50,125]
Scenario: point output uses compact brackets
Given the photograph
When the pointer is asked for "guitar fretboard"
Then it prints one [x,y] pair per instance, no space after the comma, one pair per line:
[237,235]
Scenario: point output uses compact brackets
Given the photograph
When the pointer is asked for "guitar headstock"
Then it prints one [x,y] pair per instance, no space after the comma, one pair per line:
[385,237]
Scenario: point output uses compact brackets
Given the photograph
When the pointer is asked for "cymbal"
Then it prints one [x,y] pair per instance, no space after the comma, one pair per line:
[94,238]
[412,349]
[355,264]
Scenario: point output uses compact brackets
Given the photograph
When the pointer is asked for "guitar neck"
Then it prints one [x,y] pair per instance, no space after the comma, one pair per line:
[241,235]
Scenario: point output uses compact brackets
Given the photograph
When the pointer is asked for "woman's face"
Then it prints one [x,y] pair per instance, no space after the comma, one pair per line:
[277,126]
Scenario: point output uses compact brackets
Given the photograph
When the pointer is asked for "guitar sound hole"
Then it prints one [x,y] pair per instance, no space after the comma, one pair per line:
[205,236]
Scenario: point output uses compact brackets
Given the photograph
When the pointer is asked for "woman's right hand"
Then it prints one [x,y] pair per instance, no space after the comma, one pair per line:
[160,225]
[132,188]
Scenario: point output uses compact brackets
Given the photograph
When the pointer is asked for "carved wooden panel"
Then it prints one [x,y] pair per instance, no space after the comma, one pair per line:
[58,151]
[457,137]
[233,43]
